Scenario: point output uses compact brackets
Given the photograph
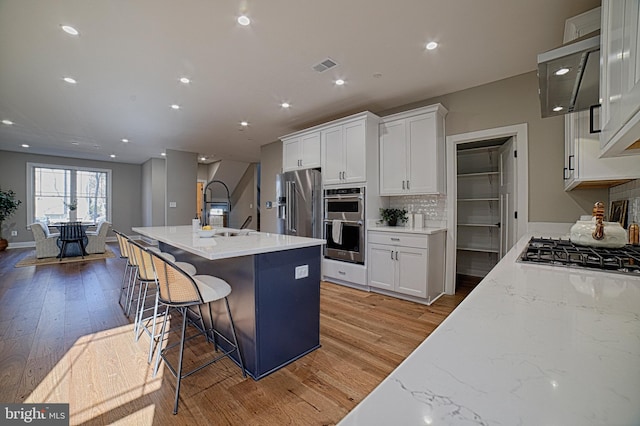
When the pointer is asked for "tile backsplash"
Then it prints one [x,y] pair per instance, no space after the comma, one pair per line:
[433,207]
[628,191]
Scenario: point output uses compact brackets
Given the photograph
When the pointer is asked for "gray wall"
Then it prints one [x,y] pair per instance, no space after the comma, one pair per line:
[270,166]
[126,210]
[244,199]
[153,192]
[181,179]
[512,101]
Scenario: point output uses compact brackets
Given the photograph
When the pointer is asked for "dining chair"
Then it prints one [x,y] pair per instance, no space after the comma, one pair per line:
[72,233]
[188,294]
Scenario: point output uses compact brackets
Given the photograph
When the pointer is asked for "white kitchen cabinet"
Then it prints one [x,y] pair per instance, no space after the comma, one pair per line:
[406,263]
[620,78]
[412,152]
[301,151]
[344,147]
[583,166]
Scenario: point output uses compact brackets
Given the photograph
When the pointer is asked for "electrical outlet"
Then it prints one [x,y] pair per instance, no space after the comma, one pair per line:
[14,233]
[172,204]
[302,271]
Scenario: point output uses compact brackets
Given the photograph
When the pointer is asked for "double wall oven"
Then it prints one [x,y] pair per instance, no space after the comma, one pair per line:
[344,207]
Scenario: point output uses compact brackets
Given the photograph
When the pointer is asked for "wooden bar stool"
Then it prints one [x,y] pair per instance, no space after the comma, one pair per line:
[187,294]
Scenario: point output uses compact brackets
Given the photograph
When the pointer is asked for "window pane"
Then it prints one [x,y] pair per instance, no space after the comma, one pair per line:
[91,194]
[52,190]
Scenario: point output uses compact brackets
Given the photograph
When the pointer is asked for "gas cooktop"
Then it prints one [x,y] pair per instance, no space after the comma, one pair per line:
[551,251]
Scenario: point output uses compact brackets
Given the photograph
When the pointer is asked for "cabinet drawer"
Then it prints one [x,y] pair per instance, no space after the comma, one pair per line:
[407,240]
[344,271]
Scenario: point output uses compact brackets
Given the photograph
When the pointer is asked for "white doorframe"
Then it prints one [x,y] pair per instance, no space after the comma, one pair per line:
[519,133]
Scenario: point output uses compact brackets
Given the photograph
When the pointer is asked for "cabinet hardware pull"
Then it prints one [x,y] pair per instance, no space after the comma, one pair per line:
[402,184]
[571,157]
[396,255]
[395,239]
[565,177]
[407,184]
[342,272]
[391,254]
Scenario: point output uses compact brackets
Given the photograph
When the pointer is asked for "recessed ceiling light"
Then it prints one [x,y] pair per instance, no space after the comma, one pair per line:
[7,122]
[112,155]
[244,123]
[558,108]
[562,71]
[339,82]
[70,80]
[431,45]
[24,145]
[244,20]
[285,105]
[125,140]
[203,158]
[69,30]
[175,106]
[185,80]
[163,154]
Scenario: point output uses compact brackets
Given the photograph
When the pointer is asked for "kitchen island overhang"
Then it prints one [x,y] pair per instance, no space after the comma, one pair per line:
[275,281]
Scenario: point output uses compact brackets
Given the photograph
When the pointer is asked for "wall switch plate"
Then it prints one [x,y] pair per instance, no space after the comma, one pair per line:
[302,271]
[172,204]
[14,233]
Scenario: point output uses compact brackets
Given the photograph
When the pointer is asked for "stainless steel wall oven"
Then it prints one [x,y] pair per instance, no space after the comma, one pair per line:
[344,224]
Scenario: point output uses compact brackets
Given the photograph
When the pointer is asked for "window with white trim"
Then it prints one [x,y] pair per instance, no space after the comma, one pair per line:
[67,193]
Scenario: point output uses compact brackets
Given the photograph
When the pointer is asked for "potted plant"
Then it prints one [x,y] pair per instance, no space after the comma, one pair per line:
[392,216]
[8,205]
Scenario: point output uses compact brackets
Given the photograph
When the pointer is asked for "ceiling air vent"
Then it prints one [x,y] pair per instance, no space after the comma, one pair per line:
[325,65]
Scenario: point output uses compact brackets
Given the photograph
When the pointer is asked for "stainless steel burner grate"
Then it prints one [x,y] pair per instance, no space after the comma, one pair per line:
[551,251]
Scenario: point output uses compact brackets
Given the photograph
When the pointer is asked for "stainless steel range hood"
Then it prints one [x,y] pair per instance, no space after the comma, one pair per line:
[579,88]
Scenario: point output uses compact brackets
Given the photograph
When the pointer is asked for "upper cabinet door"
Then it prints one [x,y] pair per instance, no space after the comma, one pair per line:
[393,157]
[354,140]
[620,78]
[291,154]
[310,145]
[332,155]
[423,177]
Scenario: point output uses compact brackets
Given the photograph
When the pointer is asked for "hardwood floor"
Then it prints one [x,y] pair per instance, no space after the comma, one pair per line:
[64,338]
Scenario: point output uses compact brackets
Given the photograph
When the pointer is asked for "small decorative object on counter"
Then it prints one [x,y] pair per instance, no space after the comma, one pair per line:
[195,223]
[392,216]
[633,234]
[597,233]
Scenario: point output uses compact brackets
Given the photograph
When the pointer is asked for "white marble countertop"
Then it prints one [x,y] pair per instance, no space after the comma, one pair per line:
[403,230]
[222,247]
[531,345]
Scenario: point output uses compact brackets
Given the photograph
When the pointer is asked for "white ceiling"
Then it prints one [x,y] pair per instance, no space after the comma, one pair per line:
[130,54]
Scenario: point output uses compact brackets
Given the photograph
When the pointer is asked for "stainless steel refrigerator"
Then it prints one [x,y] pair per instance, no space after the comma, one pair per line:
[299,203]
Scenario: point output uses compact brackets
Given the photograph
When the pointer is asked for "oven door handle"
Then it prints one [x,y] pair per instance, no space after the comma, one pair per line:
[343,197]
[353,222]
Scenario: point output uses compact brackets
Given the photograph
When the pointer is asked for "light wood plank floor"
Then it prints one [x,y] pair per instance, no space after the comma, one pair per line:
[64,338]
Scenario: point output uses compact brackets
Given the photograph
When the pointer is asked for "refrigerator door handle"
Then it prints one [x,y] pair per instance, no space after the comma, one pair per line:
[287,212]
[294,208]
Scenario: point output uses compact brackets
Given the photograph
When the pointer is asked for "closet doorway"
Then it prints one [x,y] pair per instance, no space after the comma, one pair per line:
[487,197]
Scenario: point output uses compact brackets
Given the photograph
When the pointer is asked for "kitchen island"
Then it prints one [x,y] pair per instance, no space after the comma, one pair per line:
[275,281]
[531,345]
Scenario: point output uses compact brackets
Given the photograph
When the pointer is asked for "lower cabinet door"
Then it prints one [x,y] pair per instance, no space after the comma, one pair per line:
[381,266]
[412,271]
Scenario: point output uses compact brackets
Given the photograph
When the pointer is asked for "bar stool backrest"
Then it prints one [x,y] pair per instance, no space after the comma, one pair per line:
[175,287]
[122,242]
[143,260]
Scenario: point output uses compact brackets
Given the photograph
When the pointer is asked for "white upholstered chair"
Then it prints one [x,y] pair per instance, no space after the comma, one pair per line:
[98,238]
[46,242]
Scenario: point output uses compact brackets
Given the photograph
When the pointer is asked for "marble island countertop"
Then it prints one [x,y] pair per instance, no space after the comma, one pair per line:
[222,245]
[531,345]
